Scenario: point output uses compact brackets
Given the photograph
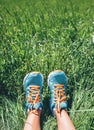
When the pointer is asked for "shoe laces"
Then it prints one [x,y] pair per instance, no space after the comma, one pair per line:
[59,95]
[34,96]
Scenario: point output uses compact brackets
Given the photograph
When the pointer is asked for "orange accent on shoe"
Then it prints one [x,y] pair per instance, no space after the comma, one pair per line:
[59,95]
[57,71]
[34,92]
[36,72]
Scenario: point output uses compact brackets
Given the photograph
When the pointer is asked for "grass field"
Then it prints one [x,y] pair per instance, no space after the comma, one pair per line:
[44,35]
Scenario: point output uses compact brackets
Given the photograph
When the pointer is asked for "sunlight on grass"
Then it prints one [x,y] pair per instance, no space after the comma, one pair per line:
[44,36]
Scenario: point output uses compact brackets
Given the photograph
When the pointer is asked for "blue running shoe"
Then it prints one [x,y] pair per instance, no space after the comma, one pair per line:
[57,81]
[33,83]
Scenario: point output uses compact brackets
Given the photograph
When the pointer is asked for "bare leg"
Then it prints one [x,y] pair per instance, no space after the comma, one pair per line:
[33,121]
[63,121]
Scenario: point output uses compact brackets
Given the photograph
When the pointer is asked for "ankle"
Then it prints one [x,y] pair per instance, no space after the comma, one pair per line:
[59,115]
[35,112]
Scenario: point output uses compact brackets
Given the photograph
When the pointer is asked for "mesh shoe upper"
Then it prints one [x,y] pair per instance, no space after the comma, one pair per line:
[33,86]
[57,81]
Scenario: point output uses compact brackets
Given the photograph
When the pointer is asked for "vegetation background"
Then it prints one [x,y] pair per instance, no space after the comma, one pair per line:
[44,35]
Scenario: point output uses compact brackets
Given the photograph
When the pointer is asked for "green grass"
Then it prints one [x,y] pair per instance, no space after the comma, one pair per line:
[44,36]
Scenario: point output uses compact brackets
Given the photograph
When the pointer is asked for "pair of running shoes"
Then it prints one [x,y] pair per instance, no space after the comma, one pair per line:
[57,82]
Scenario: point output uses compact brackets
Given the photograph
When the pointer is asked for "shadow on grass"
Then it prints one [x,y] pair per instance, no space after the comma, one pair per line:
[46,111]
[70,100]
